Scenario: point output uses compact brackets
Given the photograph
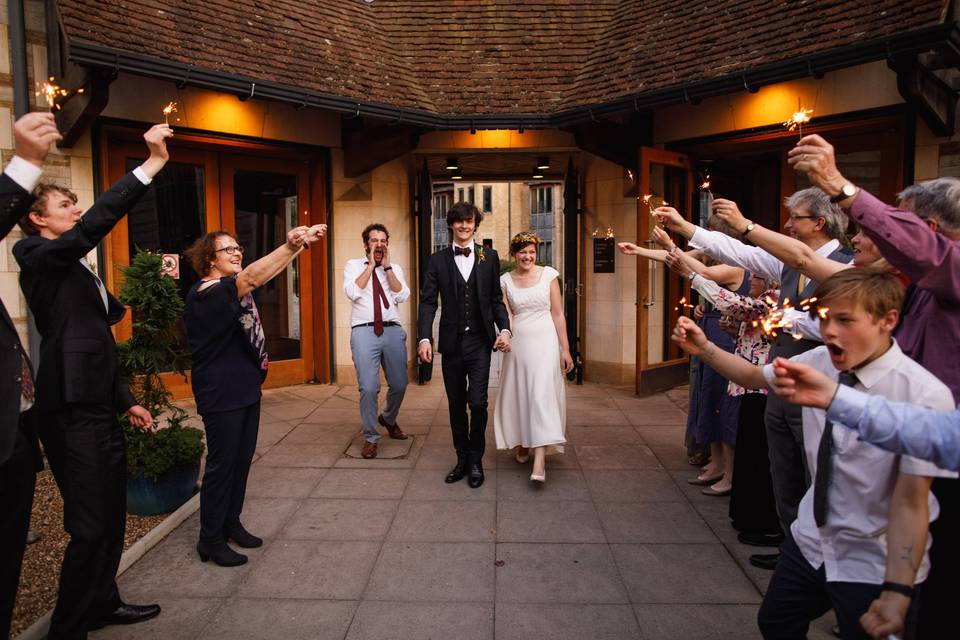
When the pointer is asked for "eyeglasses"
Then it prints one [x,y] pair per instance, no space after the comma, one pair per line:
[232,250]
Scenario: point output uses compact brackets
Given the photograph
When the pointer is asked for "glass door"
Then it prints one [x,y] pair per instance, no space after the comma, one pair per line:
[665,176]
[261,201]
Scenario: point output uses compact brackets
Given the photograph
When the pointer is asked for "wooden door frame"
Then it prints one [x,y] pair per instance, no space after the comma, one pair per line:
[116,138]
[655,377]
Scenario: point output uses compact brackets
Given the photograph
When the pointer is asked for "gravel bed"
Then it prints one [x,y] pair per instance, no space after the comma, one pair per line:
[40,575]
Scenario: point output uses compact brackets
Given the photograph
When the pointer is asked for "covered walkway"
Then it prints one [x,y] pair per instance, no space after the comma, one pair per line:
[616,545]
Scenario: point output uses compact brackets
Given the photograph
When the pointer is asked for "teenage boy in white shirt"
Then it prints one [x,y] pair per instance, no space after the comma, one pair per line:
[859,544]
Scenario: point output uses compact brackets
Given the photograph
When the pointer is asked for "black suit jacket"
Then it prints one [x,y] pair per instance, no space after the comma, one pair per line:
[15,201]
[78,355]
[441,278]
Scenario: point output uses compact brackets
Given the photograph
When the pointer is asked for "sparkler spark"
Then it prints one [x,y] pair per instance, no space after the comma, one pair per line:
[799,118]
[651,201]
[683,304]
[167,110]
[52,93]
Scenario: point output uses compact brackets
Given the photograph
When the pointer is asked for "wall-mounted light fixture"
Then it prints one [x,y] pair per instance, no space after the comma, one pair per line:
[537,173]
[456,175]
[543,162]
[452,164]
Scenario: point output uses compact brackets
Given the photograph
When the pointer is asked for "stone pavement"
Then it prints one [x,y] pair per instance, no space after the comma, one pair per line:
[616,545]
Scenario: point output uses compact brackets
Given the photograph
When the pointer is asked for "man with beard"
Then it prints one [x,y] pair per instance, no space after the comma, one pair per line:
[375,286]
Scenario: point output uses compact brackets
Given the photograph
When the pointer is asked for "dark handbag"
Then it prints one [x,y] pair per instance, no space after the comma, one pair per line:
[425,372]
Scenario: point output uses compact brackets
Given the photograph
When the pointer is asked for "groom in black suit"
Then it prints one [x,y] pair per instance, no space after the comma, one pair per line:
[467,277]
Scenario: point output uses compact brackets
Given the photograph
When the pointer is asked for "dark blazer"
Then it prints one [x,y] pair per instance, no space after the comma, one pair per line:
[441,278]
[78,355]
[15,201]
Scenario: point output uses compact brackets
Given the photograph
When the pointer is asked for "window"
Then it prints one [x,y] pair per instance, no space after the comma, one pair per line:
[441,234]
[542,220]
[488,243]
[488,199]
[459,195]
[470,195]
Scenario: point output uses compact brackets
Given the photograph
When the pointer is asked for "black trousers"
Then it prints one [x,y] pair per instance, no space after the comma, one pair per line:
[752,505]
[85,447]
[466,374]
[799,594]
[231,443]
[17,481]
[941,591]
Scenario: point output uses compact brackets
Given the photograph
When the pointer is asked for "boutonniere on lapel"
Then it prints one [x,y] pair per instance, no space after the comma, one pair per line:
[481,256]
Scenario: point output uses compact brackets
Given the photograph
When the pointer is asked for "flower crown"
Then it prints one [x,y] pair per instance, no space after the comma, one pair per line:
[525,237]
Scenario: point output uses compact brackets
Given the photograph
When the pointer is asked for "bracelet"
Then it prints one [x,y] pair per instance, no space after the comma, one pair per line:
[385,269]
[896,587]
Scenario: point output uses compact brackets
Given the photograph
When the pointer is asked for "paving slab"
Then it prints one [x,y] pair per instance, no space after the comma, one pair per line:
[616,457]
[282,482]
[567,622]
[312,569]
[381,620]
[179,618]
[548,521]
[433,572]
[603,435]
[561,484]
[433,521]
[428,484]
[683,573]
[558,573]
[362,484]
[302,455]
[326,519]
[632,485]
[268,619]
[653,522]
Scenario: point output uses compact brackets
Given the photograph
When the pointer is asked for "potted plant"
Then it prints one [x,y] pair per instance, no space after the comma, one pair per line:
[163,462]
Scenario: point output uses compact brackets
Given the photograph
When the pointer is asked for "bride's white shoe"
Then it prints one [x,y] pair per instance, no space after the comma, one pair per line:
[538,478]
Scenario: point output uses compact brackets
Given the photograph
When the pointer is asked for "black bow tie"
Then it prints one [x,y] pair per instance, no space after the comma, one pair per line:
[461,251]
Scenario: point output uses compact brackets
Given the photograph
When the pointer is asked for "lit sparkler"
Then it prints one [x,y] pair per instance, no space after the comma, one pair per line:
[800,117]
[54,93]
[653,202]
[167,110]
[683,304]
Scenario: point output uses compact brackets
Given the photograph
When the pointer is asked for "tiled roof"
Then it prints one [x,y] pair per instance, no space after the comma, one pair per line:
[480,57]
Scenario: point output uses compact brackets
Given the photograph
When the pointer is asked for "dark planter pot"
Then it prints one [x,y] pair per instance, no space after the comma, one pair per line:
[147,497]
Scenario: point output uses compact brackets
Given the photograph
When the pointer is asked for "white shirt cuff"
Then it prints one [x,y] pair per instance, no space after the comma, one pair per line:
[422,340]
[24,173]
[142,176]
[507,331]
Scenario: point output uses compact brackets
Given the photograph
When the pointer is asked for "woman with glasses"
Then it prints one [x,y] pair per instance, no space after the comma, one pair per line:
[229,353]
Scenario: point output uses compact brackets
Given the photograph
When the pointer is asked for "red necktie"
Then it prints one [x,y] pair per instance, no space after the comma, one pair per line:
[26,380]
[461,251]
[378,295]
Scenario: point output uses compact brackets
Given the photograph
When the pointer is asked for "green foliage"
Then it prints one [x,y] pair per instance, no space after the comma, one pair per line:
[153,349]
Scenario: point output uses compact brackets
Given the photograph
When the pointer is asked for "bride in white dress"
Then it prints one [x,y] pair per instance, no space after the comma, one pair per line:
[531,405]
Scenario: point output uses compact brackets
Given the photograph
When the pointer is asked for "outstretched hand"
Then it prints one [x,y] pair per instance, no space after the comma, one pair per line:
[156,138]
[32,135]
[729,212]
[815,156]
[315,232]
[678,263]
[689,336]
[671,219]
[802,384]
[628,248]
[663,239]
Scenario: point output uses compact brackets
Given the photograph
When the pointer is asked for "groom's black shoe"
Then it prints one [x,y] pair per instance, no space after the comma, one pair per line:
[458,472]
[476,475]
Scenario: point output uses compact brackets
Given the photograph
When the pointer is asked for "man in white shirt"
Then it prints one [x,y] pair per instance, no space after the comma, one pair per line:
[375,286]
[859,544]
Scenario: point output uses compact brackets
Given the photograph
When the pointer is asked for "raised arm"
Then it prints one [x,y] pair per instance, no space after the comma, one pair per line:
[691,339]
[927,258]
[789,251]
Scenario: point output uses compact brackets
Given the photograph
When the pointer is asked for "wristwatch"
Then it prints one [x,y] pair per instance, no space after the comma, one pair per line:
[691,275]
[846,191]
[896,587]
[749,228]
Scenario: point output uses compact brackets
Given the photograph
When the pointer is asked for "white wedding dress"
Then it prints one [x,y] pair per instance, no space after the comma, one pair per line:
[531,409]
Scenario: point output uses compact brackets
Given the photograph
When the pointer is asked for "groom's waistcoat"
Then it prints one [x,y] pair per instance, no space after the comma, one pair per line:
[468,301]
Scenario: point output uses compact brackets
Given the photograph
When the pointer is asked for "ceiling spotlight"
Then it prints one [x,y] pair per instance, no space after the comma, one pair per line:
[456,175]
[537,173]
[543,162]
[452,164]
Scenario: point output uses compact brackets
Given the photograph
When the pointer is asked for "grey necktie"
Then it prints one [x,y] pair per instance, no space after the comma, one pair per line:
[102,289]
[821,484]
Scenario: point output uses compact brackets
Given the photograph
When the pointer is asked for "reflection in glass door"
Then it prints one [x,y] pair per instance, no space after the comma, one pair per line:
[265,209]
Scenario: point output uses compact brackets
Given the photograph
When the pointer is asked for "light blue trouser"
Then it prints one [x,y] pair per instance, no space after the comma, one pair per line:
[370,352]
